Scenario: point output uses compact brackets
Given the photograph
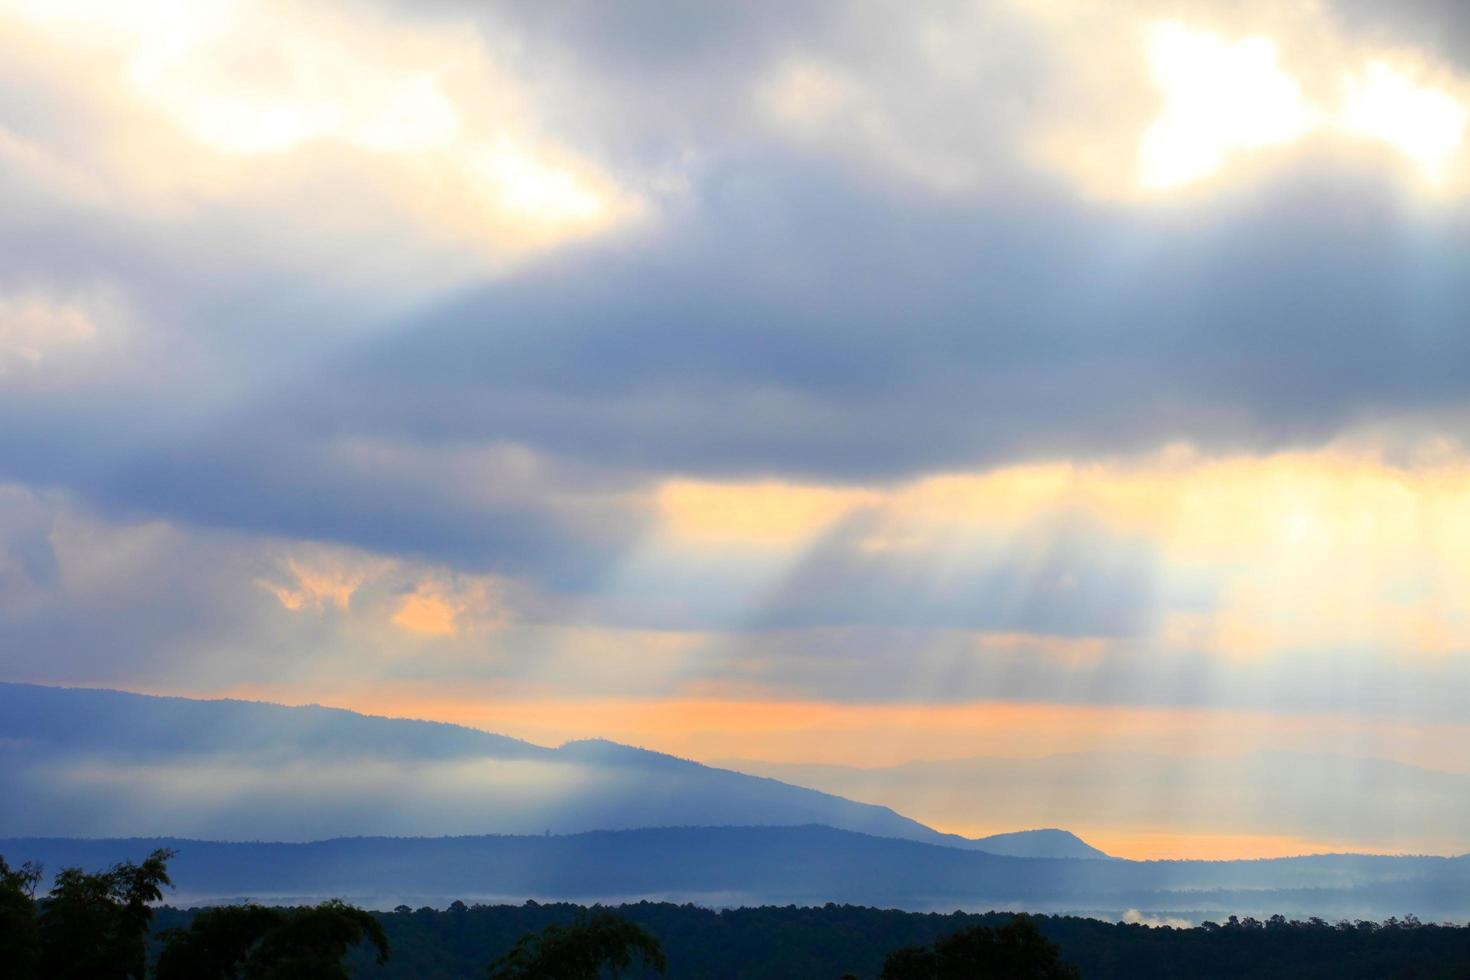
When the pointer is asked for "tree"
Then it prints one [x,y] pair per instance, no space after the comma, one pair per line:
[580,951]
[310,944]
[911,963]
[95,926]
[20,939]
[251,942]
[216,944]
[1015,951]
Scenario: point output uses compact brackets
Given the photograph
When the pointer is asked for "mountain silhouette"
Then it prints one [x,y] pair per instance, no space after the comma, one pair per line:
[99,763]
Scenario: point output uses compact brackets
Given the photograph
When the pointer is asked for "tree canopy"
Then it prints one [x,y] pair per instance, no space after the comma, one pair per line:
[20,939]
[592,947]
[94,926]
[252,942]
[1015,951]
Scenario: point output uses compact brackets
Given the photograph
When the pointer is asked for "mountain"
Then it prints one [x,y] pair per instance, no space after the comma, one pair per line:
[1047,843]
[96,763]
[748,866]
[367,800]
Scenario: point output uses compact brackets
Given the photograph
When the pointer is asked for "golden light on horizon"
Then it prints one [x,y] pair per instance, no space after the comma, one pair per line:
[1297,520]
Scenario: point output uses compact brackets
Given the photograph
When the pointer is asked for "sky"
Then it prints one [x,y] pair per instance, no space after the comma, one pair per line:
[828,385]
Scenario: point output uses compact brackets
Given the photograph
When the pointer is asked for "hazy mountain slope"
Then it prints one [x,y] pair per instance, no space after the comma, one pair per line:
[728,866]
[1048,842]
[106,763]
[142,726]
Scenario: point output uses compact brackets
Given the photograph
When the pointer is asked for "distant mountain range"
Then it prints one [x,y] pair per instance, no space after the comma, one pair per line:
[373,806]
[97,763]
[746,866]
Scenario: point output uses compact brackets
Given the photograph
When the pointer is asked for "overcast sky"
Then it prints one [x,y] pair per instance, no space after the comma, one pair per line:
[816,383]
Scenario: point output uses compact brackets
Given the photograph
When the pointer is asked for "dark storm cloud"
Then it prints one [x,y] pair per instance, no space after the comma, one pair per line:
[667,89]
[803,326]
[1439,26]
[787,314]
[297,487]
[808,327]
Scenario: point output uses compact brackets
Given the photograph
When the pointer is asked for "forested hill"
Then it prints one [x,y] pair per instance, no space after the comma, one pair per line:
[734,866]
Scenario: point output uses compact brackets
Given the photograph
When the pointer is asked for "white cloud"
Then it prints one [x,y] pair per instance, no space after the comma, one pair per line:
[1137,918]
[1220,98]
[1224,99]
[1425,123]
[357,130]
[36,326]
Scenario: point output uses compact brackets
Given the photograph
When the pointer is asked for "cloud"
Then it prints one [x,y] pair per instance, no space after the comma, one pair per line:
[738,352]
[1439,26]
[438,608]
[495,507]
[33,327]
[321,581]
[1180,579]
[786,313]
[1137,918]
[270,103]
[915,340]
[89,600]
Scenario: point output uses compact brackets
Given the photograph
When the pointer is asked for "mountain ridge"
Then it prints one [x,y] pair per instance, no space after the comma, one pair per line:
[766,865]
[51,738]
